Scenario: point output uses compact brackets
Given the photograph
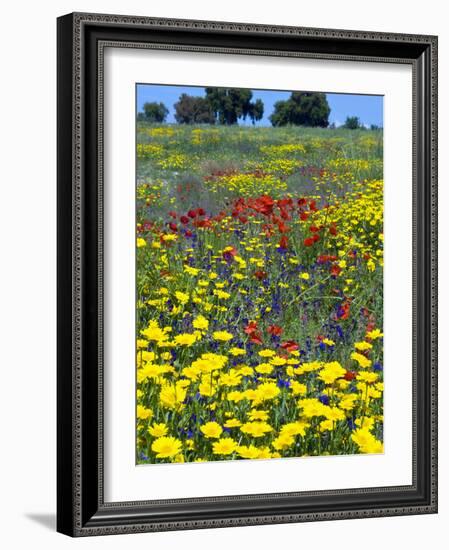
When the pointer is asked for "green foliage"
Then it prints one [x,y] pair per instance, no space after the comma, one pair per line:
[231,104]
[256,111]
[193,110]
[302,109]
[155,112]
[353,123]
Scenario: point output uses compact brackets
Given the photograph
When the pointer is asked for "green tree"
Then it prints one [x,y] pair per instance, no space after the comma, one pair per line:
[352,123]
[193,110]
[256,111]
[155,112]
[302,109]
[231,104]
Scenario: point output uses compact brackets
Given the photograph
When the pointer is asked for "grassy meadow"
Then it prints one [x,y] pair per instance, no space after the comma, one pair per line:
[259,292]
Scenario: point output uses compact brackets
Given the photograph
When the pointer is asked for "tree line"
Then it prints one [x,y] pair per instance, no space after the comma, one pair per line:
[218,106]
[227,106]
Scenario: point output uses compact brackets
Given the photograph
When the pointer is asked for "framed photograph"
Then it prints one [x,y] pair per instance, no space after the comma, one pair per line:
[247,280]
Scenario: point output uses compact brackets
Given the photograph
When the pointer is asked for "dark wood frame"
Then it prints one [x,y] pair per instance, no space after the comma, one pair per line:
[81,509]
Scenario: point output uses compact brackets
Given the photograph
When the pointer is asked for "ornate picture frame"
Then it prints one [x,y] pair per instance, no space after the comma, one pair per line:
[81,507]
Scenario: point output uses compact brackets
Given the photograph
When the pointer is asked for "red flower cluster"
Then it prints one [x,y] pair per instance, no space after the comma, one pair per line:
[309,241]
[277,213]
[335,270]
[290,346]
[322,259]
[145,226]
[192,216]
[275,330]
[255,335]
[263,205]
[344,312]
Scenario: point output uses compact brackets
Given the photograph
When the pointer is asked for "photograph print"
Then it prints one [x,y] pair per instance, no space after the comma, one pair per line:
[259,274]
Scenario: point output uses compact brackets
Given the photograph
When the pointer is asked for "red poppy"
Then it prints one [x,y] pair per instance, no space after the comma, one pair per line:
[184,219]
[250,328]
[315,237]
[309,241]
[253,332]
[188,233]
[314,229]
[303,216]
[201,212]
[282,227]
[191,214]
[312,206]
[256,338]
[173,226]
[283,242]
[172,214]
[239,205]
[285,203]
[285,215]
[263,205]
[333,229]
[275,330]
[203,223]
[260,275]
[335,270]
[344,311]
[349,375]
[290,346]
[302,202]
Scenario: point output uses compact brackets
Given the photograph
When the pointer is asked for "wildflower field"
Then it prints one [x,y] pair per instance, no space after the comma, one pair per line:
[259,292]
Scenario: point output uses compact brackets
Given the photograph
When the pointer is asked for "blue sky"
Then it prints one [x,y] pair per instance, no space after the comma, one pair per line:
[369,108]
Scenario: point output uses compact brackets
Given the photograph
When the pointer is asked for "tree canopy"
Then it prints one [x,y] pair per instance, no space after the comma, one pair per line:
[256,111]
[155,112]
[231,104]
[352,123]
[302,109]
[193,110]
